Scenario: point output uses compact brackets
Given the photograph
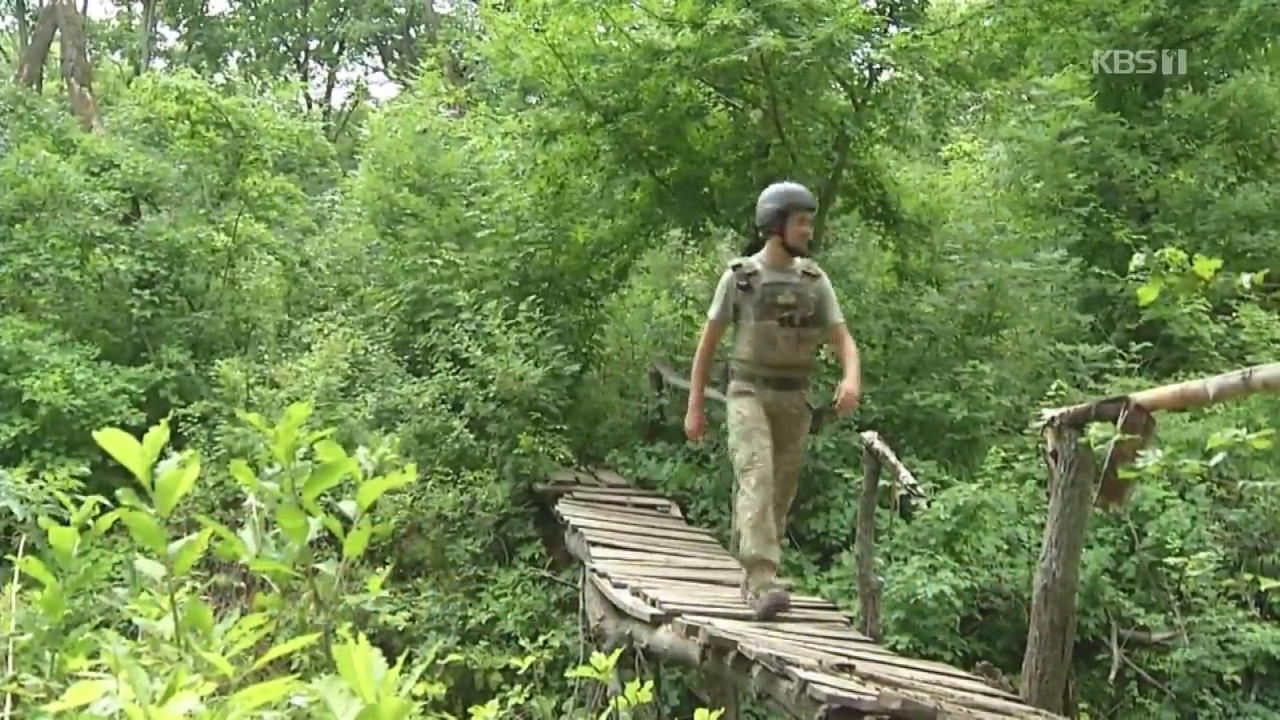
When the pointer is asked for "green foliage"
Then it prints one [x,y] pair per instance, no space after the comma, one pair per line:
[472,278]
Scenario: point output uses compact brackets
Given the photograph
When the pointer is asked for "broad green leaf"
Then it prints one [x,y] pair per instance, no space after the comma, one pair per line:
[356,542]
[154,441]
[328,451]
[285,443]
[1206,267]
[292,522]
[174,484]
[334,526]
[285,648]
[188,551]
[326,476]
[149,567]
[197,616]
[81,516]
[1148,293]
[388,707]
[244,474]
[235,546]
[64,541]
[264,693]
[79,694]
[127,451]
[219,663]
[145,530]
[271,566]
[371,490]
[104,522]
[359,667]
[36,568]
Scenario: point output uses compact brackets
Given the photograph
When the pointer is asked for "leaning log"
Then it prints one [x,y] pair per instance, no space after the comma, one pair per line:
[1051,632]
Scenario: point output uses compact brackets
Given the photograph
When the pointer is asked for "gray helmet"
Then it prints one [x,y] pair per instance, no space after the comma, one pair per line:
[780,198]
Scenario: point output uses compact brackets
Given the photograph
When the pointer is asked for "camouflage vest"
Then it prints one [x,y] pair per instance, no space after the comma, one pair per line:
[778,329]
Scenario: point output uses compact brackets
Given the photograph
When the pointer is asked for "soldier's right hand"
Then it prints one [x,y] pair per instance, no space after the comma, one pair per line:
[695,423]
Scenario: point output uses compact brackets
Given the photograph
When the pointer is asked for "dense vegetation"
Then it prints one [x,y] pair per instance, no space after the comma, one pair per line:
[280,360]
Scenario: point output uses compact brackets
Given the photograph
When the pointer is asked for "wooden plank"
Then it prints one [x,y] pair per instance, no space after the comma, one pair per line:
[712,593]
[976,686]
[863,702]
[792,652]
[647,558]
[727,578]
[709,547]
[628,603]
[598,498]
[632,543]
[840,631]
[609,477]
[792,656]
[742,613]
[695,576]
[862,653]
[637,529]
[615,513]
[569,475]
[717,626]
[598,490]
[646,514]
[965,699]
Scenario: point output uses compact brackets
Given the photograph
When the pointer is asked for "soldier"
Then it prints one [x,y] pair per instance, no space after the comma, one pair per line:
[784,308]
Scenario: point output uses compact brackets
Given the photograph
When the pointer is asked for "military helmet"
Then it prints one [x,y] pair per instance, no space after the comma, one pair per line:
[777,200]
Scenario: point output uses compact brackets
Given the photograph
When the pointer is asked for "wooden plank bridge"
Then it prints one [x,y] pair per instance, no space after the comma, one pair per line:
[669,589]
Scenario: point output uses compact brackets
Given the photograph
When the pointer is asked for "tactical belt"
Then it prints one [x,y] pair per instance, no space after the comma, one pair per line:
[772,382]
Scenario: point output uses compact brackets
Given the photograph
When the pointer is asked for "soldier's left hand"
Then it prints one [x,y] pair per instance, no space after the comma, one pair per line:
[848,392]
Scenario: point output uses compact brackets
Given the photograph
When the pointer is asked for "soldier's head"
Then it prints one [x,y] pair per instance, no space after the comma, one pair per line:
[784,214]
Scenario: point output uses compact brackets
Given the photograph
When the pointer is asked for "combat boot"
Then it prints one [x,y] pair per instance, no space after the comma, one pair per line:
[767,603]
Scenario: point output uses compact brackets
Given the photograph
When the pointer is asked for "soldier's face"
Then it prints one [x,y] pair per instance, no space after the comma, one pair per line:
[797,233]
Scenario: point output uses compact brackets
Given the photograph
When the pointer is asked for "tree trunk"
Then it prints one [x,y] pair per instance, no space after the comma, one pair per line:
[146,37]
[31,64]
[24,30]
[77,73]
[1051,635]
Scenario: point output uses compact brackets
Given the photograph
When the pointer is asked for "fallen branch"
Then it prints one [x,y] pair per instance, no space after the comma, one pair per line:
[1119,653]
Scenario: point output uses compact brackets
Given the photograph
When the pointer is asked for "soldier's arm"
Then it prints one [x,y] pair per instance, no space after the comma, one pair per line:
[839,337]
[712,331]
[718,318]
[847,349]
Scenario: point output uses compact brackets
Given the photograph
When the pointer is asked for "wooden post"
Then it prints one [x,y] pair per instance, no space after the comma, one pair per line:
[868,583]
[1051,635]
[1046,664]
[876,454]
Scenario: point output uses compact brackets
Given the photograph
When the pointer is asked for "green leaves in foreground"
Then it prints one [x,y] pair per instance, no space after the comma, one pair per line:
[167,646]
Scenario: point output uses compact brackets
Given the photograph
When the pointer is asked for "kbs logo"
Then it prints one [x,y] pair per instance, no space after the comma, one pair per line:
[1140,62]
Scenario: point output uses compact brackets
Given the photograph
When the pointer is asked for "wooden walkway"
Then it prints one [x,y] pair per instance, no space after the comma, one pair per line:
[670,589]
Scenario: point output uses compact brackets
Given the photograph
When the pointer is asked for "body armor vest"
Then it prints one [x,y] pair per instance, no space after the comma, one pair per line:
[778,328]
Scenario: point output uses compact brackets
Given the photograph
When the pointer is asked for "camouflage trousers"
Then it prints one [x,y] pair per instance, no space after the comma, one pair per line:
[767,433]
